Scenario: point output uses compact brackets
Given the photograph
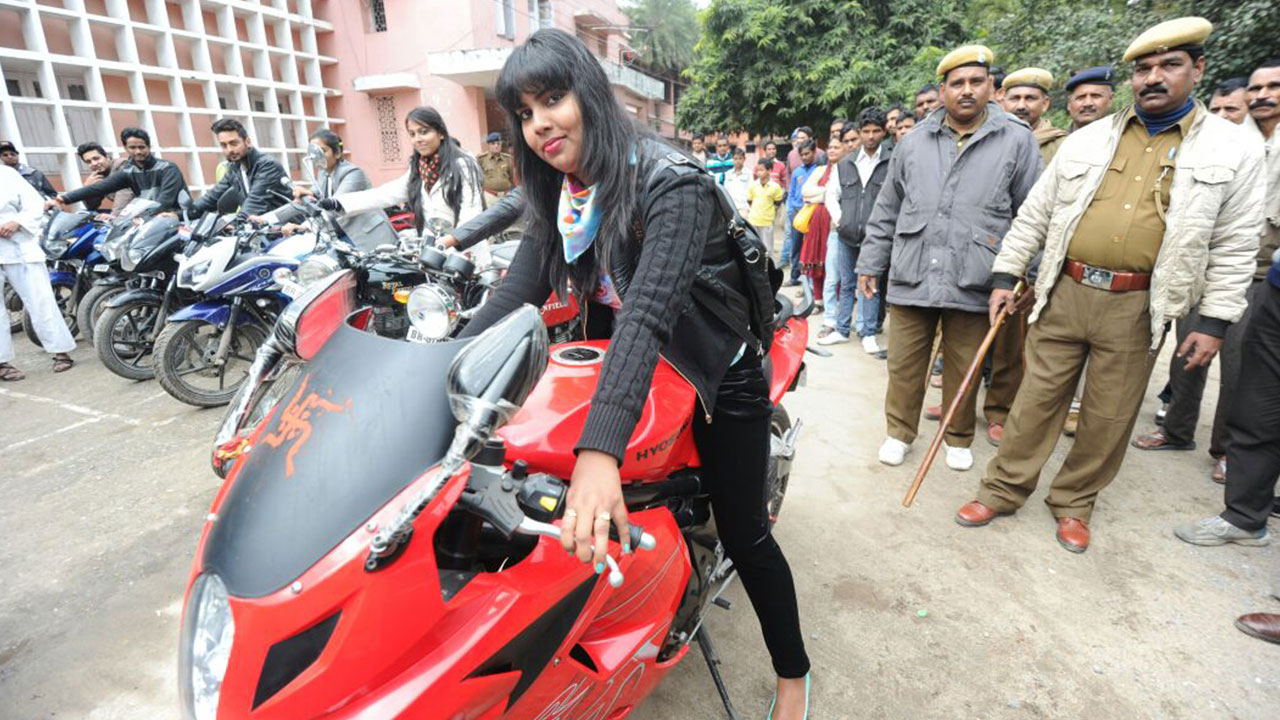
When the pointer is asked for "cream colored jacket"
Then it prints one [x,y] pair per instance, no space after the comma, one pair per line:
[1211,233]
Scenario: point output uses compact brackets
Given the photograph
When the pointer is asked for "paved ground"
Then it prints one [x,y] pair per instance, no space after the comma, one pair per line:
[104,484]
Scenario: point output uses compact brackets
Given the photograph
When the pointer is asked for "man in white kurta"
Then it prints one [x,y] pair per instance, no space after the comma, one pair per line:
[22,264]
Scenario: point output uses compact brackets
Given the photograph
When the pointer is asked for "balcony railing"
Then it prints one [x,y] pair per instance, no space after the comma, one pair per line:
[634,80]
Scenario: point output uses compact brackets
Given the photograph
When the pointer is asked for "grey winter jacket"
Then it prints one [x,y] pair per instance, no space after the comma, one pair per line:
[366,230]
[939,219]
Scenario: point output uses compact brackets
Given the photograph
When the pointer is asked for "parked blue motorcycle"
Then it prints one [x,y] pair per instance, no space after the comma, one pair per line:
[69,240]
[204,351]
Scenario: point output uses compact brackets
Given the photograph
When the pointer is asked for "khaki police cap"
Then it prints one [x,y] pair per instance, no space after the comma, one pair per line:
[1031,77]
[967,55]
[1183,32]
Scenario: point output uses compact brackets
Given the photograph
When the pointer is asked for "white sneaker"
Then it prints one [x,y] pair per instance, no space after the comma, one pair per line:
[869,344]
[958,458]
[894,451]
[834,338]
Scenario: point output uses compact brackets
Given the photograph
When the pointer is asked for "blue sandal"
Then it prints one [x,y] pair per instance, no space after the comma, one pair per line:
[769,716]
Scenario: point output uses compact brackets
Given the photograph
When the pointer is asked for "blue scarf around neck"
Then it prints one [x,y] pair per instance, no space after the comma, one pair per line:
[1156,124]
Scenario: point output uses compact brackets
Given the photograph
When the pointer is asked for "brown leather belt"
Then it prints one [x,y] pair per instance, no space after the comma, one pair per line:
[1103,279]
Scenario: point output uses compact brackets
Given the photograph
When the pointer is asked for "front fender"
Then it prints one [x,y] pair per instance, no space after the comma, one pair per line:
[134,295]
[214,312]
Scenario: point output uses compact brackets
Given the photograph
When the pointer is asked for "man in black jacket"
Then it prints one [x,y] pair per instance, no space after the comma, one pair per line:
[258,178]
[9,156]
[147,176]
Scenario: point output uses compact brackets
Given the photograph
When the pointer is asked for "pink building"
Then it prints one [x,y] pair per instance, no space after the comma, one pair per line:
[74,71]
[393,55]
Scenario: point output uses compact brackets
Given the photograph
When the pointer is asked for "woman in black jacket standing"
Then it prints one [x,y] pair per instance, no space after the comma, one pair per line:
[627,235]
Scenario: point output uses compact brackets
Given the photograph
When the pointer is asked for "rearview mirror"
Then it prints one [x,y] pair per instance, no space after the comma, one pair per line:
[491,378]
[229,201]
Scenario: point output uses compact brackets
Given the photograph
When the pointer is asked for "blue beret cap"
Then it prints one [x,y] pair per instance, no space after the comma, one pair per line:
[1100,75]
[493,137]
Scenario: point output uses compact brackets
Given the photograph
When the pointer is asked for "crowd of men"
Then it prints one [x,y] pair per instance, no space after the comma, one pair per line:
[258,181]
[1086,245]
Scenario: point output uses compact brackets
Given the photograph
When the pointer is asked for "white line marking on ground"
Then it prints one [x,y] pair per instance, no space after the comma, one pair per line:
[77,409]
[46,436]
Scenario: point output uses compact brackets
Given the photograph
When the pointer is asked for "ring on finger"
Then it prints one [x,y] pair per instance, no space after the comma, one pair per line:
[603,516]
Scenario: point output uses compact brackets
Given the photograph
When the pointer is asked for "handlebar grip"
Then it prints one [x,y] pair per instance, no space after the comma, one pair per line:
[640,540]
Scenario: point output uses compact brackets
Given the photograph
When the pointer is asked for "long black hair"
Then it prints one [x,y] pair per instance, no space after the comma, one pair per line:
[552,59]
[452,172]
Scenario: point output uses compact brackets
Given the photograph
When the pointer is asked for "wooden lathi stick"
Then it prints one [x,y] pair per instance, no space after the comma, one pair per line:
[956,401]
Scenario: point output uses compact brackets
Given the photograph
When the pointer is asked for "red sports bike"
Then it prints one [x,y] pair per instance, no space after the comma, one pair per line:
[385,546]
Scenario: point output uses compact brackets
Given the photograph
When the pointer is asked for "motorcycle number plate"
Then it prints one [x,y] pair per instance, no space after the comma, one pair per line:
[101,267]
[416,335]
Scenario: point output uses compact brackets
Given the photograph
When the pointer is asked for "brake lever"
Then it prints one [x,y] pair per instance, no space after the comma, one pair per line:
[640,539]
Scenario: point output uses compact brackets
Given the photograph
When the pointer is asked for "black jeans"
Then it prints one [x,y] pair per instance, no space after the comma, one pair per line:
[1253,452]
[735,458]
[1187,387]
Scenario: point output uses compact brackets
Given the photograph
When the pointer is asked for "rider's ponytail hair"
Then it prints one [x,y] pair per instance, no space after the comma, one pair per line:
[456,167]
[554,60]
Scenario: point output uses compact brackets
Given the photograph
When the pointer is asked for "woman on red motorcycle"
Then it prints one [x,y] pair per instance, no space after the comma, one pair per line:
[619,218]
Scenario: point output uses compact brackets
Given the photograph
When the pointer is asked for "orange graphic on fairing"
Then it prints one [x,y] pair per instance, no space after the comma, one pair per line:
[295,421]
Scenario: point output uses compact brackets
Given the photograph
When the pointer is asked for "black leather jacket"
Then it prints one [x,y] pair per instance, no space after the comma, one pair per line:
[268,188]
[157,180]
[496,218]
[680,232]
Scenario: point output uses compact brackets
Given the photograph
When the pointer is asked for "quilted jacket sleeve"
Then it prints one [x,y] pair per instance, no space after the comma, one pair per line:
[1233,245]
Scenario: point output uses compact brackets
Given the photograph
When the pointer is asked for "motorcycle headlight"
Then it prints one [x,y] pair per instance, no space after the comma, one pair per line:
[195,274]
[315,268]
[433,311]
[207,634]
[132,257]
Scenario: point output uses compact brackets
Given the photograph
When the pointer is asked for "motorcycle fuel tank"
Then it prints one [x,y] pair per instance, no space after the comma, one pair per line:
[553,417]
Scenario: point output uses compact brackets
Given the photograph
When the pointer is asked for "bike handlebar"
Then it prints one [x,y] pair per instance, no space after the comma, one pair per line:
[639,539]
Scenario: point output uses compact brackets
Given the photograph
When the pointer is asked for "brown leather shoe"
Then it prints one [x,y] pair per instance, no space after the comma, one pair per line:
[975,514]
[995,433]
[1264,626]
[933,412]
[1073,534]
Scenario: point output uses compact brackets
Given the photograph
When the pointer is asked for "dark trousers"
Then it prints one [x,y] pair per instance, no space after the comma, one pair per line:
[1253,454]
[1187,387]
[734,449]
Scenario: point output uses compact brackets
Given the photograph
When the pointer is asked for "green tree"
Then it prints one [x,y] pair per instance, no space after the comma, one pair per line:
[770,66]
[663,33]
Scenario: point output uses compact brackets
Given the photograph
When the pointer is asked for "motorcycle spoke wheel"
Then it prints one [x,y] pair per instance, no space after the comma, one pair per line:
[13,306]
[187,364]
[64,295]
[122,337]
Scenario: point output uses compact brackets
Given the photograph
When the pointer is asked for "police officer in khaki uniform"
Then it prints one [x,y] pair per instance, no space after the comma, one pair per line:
[1089,95]
[499,169]
[1026,95]
[1132,238]
[952,189]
